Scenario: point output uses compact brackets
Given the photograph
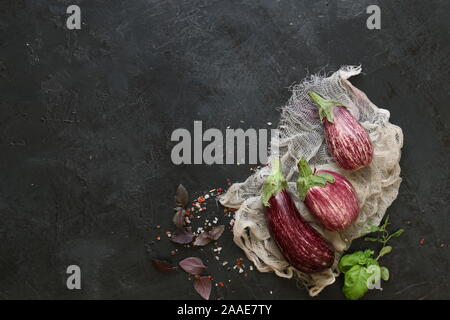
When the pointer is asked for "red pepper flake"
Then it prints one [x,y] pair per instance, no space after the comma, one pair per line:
[422,241]
[221,284]
[201,199]
[210,277]
[158,238]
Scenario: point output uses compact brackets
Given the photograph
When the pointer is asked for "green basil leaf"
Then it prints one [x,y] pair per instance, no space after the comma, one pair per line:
[371,239]
[355,283]
[384,273]
[397,233]
[356,258]
[368,253]
[371,262]
[384,251]
[374,279]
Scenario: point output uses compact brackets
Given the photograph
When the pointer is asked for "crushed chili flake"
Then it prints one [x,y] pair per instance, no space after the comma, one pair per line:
[158,238]
[221,284]
[422,241]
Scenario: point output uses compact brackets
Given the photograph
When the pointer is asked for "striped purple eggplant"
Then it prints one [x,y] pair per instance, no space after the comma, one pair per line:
[329,196]
[347,140]
[300,244]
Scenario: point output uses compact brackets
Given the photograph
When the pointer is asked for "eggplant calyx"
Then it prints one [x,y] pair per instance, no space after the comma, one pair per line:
[309,179]
[325,106]
[274,183]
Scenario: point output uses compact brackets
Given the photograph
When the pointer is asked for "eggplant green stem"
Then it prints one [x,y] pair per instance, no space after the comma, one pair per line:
[325,106]
[309,179]
[273,183]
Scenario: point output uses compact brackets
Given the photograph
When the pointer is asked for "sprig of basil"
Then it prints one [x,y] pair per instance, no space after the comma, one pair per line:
[361,271]
[359,268]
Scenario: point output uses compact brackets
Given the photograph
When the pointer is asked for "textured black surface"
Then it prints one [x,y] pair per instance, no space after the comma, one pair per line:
[86,118]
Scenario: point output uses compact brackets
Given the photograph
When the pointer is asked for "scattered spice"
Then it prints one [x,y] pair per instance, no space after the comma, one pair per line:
[422,241]
[208,232]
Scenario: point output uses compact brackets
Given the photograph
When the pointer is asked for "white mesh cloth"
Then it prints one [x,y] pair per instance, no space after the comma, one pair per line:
[301,135]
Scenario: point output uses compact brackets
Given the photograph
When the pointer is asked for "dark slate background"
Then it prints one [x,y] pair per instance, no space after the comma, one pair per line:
[86,118]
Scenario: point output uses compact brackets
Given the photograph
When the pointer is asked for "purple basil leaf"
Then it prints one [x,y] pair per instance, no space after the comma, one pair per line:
[181,197]
[202,240]
[182,235]
[192,265]
[162,266]
[216,232]
[178,218]
[203,287]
